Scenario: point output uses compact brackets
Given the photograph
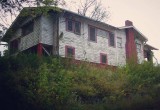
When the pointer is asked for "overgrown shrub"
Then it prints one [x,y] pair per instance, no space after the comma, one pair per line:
[29,82]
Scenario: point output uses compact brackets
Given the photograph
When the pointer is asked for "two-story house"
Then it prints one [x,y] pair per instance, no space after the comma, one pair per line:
[68,34]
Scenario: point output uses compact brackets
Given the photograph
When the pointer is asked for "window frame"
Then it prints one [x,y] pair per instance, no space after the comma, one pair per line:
[66,54]
[118,42]
[73,26]
[89,37]
[101,55]
[24,27]
[67,20]
[109,43]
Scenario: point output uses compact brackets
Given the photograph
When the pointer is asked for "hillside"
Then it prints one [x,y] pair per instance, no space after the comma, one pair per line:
[28,82]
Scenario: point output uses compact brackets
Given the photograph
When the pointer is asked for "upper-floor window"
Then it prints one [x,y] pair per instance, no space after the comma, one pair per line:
[119,42]
[103,58]
[92,34]
[69,25]
[111,40]
[77,29]
[70,51]
[138,46]
[73,26]
[28,28]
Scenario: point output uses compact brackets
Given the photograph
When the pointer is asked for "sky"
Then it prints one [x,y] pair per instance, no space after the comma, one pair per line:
[145,15]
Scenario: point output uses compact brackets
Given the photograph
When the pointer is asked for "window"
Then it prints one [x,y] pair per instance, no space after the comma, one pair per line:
[138,46]
[70,51]
[69,25]
[14,46]
[92,34]
[77,27]
[73,26]
[103,58]
[28,28]
[111,39]
[119,42]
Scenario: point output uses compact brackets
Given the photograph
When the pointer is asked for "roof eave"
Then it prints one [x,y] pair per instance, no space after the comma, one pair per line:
[127,27]
[151,47]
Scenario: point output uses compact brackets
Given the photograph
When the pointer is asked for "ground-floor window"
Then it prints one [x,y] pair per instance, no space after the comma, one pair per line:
[103,58]
[69,51]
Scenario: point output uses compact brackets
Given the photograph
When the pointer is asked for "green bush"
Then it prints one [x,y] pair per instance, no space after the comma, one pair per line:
[29,82]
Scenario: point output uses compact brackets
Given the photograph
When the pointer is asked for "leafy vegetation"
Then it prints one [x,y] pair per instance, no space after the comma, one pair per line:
[28,82]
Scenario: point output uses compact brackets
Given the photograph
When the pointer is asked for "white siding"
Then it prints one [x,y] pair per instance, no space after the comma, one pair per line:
[140,55]
[90,51]
[31,39]
[47,30]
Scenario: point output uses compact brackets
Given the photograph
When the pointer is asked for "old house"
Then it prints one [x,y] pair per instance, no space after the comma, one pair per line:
[68,34]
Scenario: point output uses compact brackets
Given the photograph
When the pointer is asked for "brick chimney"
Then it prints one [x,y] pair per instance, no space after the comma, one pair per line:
[128,23]
[131,52]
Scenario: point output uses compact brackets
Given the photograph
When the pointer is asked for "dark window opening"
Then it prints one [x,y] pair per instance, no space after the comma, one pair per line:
[148,55]
[47,50]
[103,58]
[77,27]
[70,25]
[92,34]
[70,52]
[111,39]
[28,28]
[14,46]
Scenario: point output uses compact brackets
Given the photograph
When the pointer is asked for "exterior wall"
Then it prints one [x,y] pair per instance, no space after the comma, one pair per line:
[121,52]
[47,30]
[140,55]
[88,50]
[31,39]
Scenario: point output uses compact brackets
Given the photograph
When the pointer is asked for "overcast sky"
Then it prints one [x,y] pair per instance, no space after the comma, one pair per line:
[145,15]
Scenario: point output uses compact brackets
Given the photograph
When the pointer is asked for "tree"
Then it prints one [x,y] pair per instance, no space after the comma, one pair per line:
[9,9]
[92,9]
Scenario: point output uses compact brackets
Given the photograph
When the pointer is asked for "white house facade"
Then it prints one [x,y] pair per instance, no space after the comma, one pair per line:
[68,34]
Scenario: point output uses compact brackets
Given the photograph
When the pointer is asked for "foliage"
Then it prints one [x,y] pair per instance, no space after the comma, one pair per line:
[29,82]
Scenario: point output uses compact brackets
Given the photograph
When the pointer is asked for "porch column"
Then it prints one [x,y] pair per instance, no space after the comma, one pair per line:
[39,49]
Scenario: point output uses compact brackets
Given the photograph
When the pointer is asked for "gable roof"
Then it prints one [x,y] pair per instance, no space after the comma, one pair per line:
[150,47]
[20,18]
[16,23]
[127,27]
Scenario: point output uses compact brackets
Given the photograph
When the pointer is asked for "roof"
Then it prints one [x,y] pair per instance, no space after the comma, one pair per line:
[150,47]
[88,18]
[127,27]
[19,17]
